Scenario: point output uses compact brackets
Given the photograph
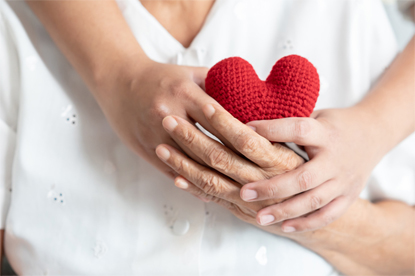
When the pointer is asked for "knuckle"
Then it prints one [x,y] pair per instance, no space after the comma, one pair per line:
[305,226]
[210,184]
[305,181]
[279,159]
[282,214]
[270,130]
[180,88]
[292,161]
[181,166]
[219,159]
[271,191]
[315,202]
[246,143]
[199,192]
[159,110]
[301,129]
[187,136]
[327,218]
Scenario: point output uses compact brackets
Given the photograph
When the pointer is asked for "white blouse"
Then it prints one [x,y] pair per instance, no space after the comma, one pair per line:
[75,201]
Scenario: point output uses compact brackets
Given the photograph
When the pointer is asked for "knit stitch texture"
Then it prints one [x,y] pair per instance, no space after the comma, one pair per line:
[291,89]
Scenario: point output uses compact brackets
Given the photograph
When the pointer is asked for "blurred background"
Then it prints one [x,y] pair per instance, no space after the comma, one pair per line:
[404,29]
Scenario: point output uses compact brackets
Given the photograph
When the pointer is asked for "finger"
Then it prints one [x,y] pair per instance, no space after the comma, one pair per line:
[158,138]
[194,110]
[301,131]
[183,184]
[147,152]
[318,219]
[207,180]
[299,205]
[304,178]
[178,145]
[253,146]
[240,212]
[211,152]
[199,76]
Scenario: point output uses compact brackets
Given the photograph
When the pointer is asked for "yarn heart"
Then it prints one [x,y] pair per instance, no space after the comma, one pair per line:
[291,89]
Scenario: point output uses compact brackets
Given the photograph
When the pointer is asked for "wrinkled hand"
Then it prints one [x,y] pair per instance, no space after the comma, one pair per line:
[222,183]
[141,95]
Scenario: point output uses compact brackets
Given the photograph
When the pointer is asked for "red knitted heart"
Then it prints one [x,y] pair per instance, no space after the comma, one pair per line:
[291,89]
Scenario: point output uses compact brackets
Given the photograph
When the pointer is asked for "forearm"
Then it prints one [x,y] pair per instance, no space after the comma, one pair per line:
[390,106]
[370,239]
[93,36]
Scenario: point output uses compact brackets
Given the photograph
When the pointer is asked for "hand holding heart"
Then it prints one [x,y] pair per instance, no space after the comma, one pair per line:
[319,191]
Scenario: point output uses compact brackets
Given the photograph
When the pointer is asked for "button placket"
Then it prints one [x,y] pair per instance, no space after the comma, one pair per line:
[179,58]
[191,57]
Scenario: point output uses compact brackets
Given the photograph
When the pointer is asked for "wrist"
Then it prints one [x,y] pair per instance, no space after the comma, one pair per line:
[350,228]
[108,75]
[372,130]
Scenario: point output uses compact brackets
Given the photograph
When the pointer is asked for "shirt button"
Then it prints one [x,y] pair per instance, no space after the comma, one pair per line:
[180,227]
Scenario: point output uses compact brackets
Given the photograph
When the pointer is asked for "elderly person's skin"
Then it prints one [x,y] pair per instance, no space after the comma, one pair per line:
[370,239]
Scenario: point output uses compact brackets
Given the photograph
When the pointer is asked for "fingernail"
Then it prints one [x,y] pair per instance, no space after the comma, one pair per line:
[169,123]
[209,110]
[163,153]
[288,229]
[182,184]
[266,219]
[249,194]
[253,128]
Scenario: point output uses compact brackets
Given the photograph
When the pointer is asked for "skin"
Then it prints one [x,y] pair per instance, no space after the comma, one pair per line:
[344,145]
[182,19]
[100,31]
[369,239]
[134,92]
[147,91]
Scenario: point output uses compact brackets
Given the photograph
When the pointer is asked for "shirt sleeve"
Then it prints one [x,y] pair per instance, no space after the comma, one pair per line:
[8,113]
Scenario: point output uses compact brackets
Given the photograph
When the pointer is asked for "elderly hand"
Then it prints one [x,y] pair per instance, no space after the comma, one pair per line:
[262,161]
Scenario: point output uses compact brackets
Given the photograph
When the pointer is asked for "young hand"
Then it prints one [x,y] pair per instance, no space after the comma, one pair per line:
[343,150]
[142,93]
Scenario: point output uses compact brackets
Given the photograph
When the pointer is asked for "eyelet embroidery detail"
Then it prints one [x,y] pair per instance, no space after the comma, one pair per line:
[69,115]
[56,196]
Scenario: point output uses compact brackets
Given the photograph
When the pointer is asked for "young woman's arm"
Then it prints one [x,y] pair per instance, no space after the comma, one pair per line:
[370,239]
[93,35]
[344,146]
[134,92]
